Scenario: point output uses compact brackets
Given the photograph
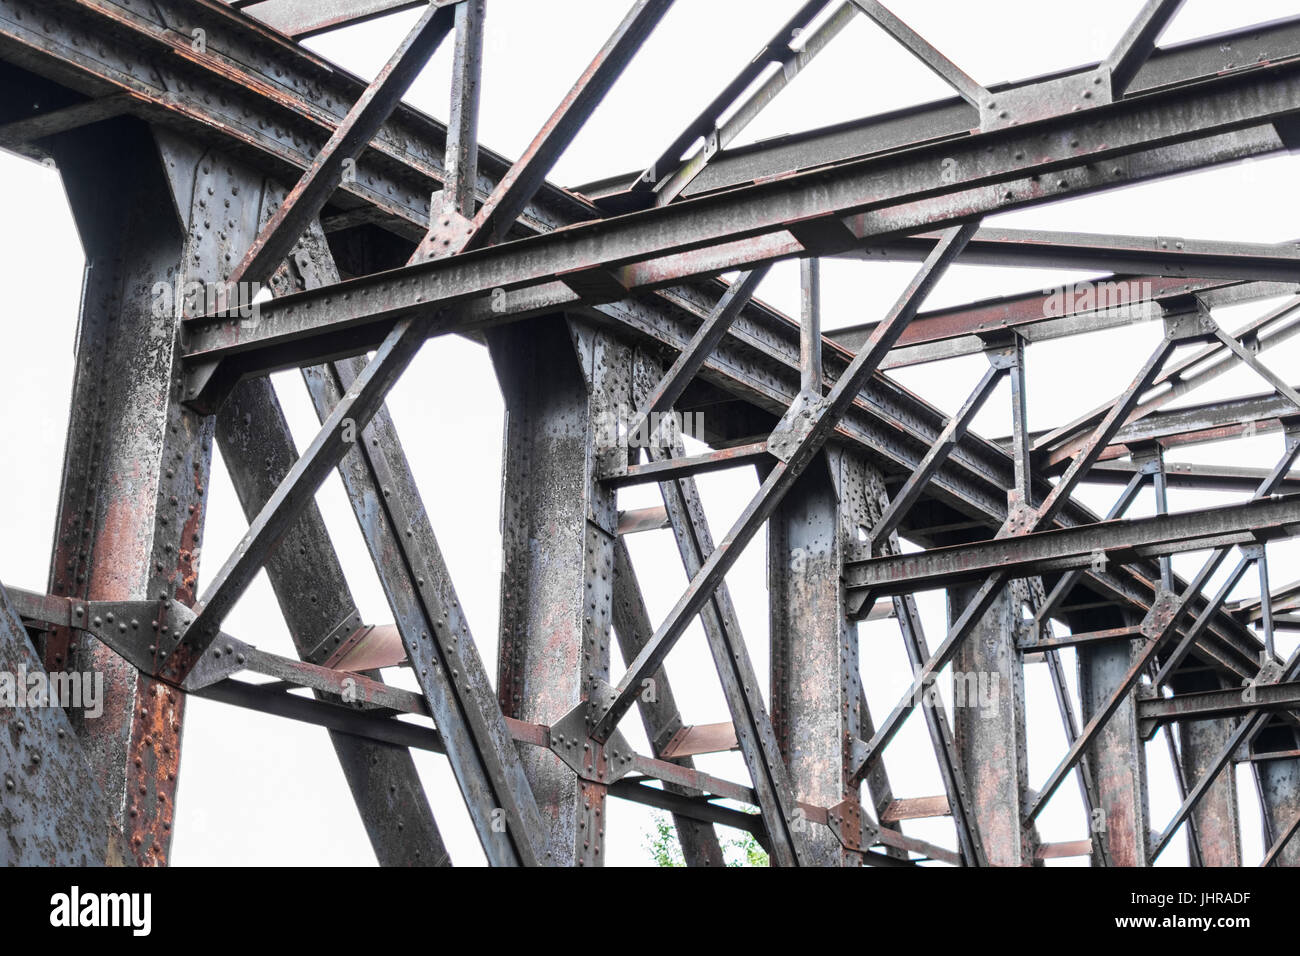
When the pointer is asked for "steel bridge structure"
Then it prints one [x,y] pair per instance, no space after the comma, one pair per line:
[203,147]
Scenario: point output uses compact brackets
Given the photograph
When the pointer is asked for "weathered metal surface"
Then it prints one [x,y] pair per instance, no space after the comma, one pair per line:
[307,198]
[603,291]
[748,224]
[755,735]
[558,533]
[815,675]
[1116,755]
[820,418]
[1279,788]
[136,462]
[52,810]
[416,581]
[989,725]
[1122,540]
[1216,819]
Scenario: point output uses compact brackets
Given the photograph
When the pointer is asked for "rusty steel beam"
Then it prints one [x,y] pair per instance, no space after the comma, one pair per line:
[411,569]
[1160,625]
[462,153]
[1045,551]
[665,395]
[1279,788]
[258,451]
[671,173]
[1224,702]
[1019,522]
[1138,43]
[959,799]
[916,483]
[918,46]
[1180,378]
[1175,65]
[434,629]
[989,726]
[557,563]
[815,668]
[1191,260]
[516,189]
[1115,753]
[136,464]
[1070,309]
[798,215]
[366,393]
[1251,726]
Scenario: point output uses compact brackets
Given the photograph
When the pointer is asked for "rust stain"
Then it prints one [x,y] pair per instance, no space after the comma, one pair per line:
[154,764]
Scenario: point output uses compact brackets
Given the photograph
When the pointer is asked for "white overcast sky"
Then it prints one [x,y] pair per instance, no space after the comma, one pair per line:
[260,790]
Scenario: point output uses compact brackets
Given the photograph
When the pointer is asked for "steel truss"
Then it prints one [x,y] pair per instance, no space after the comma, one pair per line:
[243,159]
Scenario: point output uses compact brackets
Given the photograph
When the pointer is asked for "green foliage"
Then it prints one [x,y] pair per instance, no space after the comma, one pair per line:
[748,851]
[663,845]
[666,850]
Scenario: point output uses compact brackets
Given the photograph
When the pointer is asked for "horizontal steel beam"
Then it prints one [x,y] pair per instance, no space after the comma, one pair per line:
[1228,702]
[1191,260]
[1040,316]
[1042,552]
[916,808]
[1210,420]
[656,471]
[254,92]
[810,213]
[1184,475]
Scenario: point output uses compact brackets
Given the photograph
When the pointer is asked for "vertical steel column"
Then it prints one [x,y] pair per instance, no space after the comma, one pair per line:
[559,525]
[136,462]
[461,174]
[1279,790]
[1117,757]
[1022,493]
[1150,457]
[989,723]
[810,326]
[1215,815]
[816,708]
